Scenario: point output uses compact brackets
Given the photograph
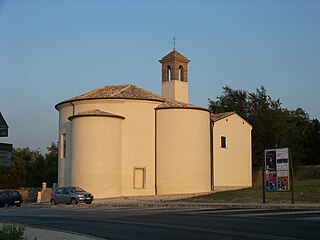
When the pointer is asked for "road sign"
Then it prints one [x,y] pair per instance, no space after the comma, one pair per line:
[5,154]
[3,127]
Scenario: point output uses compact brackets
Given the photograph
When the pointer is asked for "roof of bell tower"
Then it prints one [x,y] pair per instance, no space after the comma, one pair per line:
[174,55]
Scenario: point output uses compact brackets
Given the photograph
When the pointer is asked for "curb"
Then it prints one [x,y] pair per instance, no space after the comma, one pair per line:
[150,204]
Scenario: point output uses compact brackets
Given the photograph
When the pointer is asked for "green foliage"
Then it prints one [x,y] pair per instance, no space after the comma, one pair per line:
[52,164]
[273,126]
[30,168]
[12,232]
[311,143]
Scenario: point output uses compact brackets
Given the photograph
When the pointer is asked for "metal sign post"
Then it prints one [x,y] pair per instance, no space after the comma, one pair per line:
[263,185]
[291,177]
[278,171]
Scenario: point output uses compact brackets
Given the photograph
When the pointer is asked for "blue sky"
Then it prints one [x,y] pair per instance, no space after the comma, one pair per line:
[58,49]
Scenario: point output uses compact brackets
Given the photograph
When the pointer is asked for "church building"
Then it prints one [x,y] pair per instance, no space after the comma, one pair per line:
[122,140]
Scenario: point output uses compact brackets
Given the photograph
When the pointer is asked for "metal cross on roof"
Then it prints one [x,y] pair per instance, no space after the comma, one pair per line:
[174,42]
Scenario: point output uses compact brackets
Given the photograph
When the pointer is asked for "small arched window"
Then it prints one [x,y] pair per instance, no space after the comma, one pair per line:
[169,73]
[180,73]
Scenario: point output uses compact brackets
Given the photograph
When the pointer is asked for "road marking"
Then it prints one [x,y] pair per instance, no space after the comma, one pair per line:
[212,211]
[311,218]
[275,213]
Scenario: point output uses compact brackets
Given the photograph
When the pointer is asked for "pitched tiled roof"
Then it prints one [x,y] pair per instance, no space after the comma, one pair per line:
[174,54]
[95,112]
[218,116]
[128,91]
[176,104]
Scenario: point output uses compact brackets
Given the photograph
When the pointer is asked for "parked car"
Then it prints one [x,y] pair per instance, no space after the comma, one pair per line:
[70,195]
[9,198]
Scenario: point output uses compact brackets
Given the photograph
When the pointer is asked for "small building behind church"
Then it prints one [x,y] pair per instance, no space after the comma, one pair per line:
[122,140]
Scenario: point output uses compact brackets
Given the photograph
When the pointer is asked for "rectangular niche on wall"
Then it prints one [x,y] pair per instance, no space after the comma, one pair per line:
[139,177]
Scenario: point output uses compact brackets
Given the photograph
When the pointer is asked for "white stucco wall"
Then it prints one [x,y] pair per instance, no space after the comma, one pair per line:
[138,138]
[64,164]
[183,151]
[233,164]
[175,90]
[97,155]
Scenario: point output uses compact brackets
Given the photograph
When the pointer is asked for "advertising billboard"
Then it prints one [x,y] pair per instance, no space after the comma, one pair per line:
[277,167]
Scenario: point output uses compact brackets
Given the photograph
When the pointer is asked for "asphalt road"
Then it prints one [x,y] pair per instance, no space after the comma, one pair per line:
[168,223]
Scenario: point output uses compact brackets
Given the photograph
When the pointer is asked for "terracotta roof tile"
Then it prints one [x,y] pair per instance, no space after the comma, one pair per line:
[176,104]
[218,116]
[95,112]
[128,91]
[174,54]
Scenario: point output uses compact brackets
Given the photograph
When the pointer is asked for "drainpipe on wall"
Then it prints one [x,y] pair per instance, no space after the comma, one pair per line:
[211,153]
[73,108]
[155,153]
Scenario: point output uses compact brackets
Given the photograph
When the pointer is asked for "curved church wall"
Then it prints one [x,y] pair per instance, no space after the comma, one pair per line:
[96,155]
[138,139]
[182,151]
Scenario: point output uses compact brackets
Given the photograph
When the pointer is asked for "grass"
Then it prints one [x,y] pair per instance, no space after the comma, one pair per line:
[12,232]
[305,191]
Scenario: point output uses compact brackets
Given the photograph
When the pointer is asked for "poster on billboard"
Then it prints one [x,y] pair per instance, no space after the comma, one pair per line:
[271,180]
[277,169]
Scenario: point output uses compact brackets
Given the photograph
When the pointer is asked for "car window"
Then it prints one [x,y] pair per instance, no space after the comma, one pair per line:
[2,195]
[15,194]
[9,194]
[5,195]
[75,189]
[58,191]
[65,191]
[79,189]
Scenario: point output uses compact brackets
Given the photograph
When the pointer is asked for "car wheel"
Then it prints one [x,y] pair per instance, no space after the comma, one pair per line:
[18,204]
[6,205]
[53,202]
[88,202]
[74,201]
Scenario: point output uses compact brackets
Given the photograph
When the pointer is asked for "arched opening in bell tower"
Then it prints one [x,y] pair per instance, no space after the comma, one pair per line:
[180,73]
[169,73]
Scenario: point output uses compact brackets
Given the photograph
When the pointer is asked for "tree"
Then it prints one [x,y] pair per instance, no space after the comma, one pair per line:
[52,164]
[30,168]
[15,175]
[230,100]
[311,143]
[43,168]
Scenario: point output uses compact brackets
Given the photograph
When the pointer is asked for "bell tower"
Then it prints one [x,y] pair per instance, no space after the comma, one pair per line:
[175,76]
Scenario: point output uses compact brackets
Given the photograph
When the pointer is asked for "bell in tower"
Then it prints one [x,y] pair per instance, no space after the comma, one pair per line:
[175,76]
